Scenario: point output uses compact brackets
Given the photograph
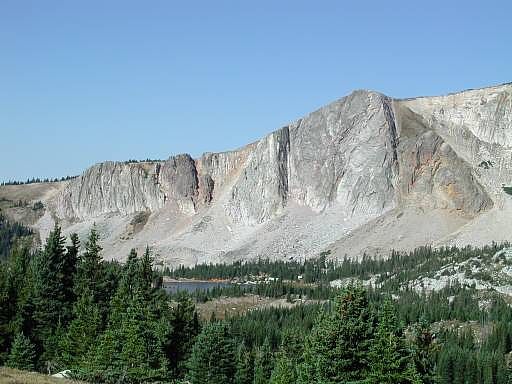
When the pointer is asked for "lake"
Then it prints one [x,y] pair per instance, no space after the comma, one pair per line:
[192,286]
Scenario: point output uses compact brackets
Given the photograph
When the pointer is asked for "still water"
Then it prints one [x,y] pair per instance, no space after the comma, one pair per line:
[192,286]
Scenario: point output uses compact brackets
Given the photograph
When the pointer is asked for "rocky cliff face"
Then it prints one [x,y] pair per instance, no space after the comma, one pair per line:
[319,183]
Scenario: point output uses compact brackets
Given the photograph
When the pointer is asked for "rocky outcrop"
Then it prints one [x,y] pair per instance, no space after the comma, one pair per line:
[324,179]
[125,188]
[111,187]
[432,175]
[261,190]
[345,154]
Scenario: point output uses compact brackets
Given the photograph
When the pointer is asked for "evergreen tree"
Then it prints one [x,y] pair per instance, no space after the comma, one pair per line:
[90,271]
[69,270]
[337,349]
[141,354]
[82,332]
[22,354]
[102,363]
[49,294]
[288,358]
[184,327]
[446,367]
[424,351]
[284,372]
[146,272]
[4,313]
[16,270]
[24,320]
[131,278]
[244,366]
[130,349]
[390,361]
[212,360]
[263,363]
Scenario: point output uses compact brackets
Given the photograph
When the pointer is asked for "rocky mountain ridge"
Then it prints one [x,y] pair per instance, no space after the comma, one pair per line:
[366,173]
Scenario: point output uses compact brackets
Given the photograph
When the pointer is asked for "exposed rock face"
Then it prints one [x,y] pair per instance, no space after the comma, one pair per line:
[432,174]
[111,188]
[328,180]
[345,154]
[262,188]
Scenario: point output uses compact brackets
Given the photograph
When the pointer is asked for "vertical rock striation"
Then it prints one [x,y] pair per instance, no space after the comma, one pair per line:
[310,183]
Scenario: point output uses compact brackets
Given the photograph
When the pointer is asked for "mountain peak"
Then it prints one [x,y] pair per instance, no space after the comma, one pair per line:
[364,174]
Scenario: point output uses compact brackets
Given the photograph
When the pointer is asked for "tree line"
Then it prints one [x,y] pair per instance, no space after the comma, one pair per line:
[400,267]
[34,180]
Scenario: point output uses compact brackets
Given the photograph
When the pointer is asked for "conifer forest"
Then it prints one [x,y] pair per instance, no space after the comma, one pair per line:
[63,307]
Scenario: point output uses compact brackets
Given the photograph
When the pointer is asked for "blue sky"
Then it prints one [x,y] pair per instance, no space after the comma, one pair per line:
[87,81]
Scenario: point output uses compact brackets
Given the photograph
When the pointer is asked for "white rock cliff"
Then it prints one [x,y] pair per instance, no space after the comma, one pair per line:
[366,173]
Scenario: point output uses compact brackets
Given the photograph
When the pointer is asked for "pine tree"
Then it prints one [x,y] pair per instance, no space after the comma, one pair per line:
[424,351]
[69,270]
[131,278]
[390,361]
[263,363]
[212,360]
[244,366]
[16,269]
[337,349]
[102,362]
[184,327]
[49,294]
[22,354]
[129,350]
[141,353]
[446,366]
[4,312]
[23,321]
[82,332]
[146,272]
[288,358]
[90,271]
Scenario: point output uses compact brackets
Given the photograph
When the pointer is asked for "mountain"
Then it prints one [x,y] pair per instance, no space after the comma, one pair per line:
[364,174]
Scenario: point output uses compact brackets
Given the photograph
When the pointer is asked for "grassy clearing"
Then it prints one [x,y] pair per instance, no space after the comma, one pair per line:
[14,376]
[233,306]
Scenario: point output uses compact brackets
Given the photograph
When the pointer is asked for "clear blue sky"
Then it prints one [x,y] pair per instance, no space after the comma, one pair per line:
[87,81]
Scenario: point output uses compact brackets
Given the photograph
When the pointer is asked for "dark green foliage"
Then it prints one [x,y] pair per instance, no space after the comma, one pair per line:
[10,232]
[263,363]
[390,362]
[133,344]
[22,354]
[337,349]
[52,308]
[213,357]
[130,349]
[90,271]
[244,365]
[112,323]
[285,372]
[424,350]
[183,328]
[4,313]
[288,358]
[83,331]
[69,270]
[146,272]
[12,289]
[399,268]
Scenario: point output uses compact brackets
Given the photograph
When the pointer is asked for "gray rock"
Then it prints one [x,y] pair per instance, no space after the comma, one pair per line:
[328,180]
